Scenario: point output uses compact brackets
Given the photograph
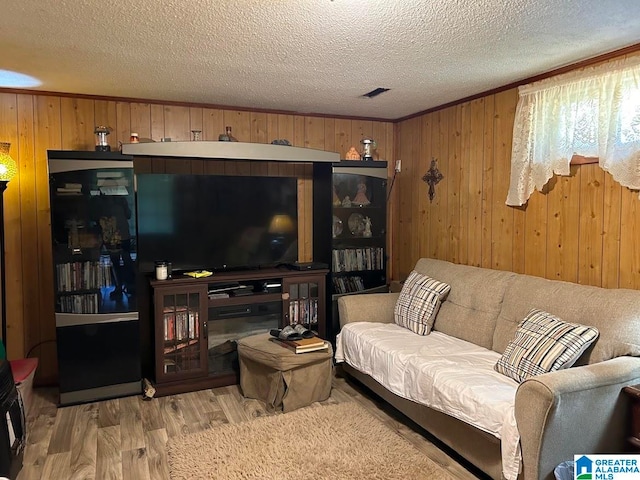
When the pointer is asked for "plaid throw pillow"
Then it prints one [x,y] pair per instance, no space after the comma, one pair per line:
[544,343]
[419,302]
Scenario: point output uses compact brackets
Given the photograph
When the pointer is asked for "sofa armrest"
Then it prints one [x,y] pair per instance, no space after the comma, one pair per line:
[573,411]
[370,307]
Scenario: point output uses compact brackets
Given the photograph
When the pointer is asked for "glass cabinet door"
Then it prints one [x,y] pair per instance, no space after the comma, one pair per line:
[180,326]
[358,262]
[302,304]
[93,226]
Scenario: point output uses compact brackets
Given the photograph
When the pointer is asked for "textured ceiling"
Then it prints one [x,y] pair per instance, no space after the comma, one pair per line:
[312,56]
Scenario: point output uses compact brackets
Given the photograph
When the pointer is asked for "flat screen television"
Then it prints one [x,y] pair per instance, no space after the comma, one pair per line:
[216,222]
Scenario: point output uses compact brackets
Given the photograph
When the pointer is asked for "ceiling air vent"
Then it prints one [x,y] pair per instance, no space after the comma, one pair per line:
[376,92]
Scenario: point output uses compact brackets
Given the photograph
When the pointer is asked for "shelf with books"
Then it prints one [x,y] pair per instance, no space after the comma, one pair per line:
[172,346]
[348,284]
[181,323]
[355,239]
[357,259]
[78,276]
[94,280]
[305,302]
[303,311]
[364,281]
[79,303]
[93,234]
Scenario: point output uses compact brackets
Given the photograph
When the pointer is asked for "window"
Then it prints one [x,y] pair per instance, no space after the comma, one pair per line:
[593,112]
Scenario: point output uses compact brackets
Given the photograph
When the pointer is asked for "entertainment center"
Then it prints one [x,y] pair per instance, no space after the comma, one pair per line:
[261,218]
[250,213]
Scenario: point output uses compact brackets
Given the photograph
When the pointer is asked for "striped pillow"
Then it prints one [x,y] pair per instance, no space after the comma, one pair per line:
[419,302]
[544,343]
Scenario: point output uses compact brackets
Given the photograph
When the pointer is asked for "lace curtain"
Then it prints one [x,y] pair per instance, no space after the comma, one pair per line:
[594,112]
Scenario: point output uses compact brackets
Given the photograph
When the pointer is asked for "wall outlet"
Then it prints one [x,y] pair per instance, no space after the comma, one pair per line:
[398,166]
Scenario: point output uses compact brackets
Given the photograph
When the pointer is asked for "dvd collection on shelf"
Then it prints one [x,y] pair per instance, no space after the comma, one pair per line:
[73,278]
[348,284]
[357,259]
[87,275]
[181,324]
[304,311]
[79,303]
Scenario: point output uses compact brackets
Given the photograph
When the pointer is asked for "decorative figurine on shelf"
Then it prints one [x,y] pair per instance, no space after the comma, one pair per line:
[336,199]
[346,202]
[352,154]
[74,235]
[361,199]
[281,141]
[367,227]
[227,137]
[368,146]
[196,135]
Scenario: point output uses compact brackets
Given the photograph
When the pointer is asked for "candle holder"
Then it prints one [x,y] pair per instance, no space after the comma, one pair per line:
[101,138]
[368,146]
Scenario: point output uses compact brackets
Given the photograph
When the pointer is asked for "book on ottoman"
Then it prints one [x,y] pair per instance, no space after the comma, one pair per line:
[303,345]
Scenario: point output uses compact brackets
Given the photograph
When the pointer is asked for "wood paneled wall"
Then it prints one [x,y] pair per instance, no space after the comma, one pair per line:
[37,123]
[583,228]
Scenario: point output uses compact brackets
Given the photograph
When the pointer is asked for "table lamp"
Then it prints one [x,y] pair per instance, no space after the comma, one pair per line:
[8,169]
[280,227]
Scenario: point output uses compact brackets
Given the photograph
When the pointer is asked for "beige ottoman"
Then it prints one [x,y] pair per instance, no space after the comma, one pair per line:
[282,379]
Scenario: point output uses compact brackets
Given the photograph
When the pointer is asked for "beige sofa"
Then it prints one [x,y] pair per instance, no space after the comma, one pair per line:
[558,414]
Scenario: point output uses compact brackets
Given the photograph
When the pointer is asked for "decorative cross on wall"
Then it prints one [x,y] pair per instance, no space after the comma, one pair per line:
[432,177]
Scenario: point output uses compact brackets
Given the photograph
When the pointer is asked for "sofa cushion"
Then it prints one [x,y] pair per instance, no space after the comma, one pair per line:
[614,312]
[443,372]
[419,302]
[474,302]
[544,343]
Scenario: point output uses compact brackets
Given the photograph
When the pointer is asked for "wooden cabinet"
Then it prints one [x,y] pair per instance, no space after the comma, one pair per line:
[181,343]
[198,320]
[304,302]
[359,228]
[358,232]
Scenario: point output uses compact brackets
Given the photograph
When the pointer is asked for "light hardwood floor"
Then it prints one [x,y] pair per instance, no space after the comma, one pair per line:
[125,438]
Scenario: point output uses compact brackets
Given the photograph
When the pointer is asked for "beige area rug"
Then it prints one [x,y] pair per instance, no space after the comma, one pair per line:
[333,442]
